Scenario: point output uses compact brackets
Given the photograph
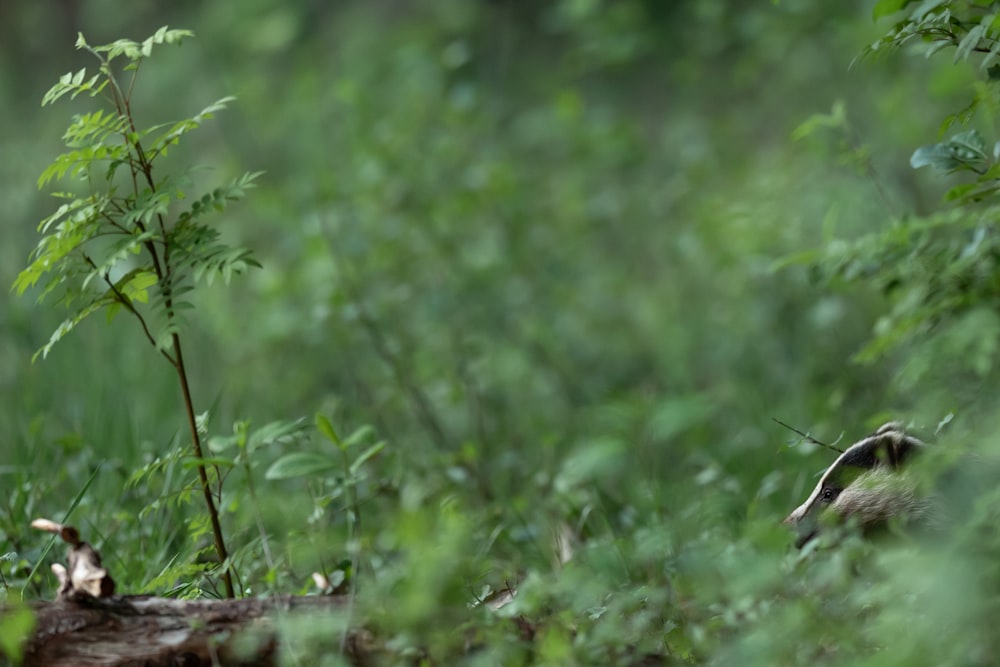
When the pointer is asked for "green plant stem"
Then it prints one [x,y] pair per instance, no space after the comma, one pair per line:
[353,544]
[163,272]
[213,512]
[264,541]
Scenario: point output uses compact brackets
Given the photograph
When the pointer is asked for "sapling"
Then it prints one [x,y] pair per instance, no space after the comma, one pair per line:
[127,237]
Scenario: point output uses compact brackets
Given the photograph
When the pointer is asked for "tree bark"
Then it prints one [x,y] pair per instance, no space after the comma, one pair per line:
[149,631]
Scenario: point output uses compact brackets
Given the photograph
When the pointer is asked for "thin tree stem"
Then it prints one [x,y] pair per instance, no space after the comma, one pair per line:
[206,489]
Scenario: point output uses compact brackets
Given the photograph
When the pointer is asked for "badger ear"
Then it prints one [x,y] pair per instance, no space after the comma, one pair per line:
[890,427]
[899,447]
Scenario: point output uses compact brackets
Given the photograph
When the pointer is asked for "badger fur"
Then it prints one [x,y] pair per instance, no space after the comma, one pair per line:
[864,483]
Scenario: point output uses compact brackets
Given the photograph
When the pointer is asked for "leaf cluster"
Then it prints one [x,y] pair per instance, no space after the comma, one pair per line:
[970,26]
[127,235]
[938,271]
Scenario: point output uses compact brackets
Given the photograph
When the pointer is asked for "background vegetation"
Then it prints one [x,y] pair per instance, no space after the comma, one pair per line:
[567,259]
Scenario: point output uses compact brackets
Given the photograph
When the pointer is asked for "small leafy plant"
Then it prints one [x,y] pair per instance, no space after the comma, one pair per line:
[348,471]
[938,270]
[127,236]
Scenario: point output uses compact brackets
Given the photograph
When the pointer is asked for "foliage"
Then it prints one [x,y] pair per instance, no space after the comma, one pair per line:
[121,237]
[15,629]
[938,269]
[939,274]
[568,258]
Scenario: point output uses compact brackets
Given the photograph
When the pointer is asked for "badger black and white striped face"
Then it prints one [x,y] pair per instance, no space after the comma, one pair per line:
[880,453]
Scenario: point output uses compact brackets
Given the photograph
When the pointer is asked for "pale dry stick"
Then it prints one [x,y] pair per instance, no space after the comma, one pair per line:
[83,572]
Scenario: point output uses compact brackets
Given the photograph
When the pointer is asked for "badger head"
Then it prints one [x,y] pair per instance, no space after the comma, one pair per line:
[864,482]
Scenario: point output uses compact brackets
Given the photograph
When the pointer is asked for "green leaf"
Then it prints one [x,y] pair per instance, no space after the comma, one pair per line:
[122,251]
[112,310]
[241,429]
[969,42]
[887,8]
[966,150]
[938,156]
[960,191]
[136,286]
[804,258]
[836,119]
[16,625]
[74,84]
[365,455]
[182,127]
[281,431]
[358,436]
[326,428]
[924,8]
[959,117]
[70,323]
[300,464]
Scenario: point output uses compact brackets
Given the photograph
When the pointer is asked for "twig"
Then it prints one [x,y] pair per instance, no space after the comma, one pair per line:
[125,301]
[807,437]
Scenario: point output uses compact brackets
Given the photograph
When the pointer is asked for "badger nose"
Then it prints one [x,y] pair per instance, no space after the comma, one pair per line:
[795,516]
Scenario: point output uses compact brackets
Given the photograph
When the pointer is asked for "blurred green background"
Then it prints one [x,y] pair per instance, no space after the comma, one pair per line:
[536,245]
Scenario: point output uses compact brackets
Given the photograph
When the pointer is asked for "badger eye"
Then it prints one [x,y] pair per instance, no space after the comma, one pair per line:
[827,494]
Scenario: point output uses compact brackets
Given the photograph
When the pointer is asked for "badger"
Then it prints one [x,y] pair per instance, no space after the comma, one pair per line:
[866,483]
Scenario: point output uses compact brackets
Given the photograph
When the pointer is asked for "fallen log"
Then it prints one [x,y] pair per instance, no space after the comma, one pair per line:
[89,626]
[84,631]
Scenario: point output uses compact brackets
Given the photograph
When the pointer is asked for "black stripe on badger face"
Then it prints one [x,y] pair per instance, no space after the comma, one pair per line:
[888,447]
